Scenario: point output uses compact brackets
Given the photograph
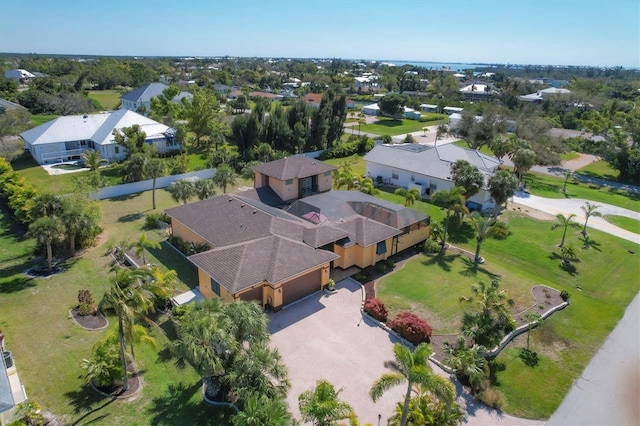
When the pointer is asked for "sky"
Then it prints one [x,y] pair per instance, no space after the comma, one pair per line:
[546,32]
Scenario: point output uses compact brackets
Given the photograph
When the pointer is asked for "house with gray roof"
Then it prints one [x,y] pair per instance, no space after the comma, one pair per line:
[428,168]
[67,137]
[6,105]
[140,99]
[543,94]
[279,255]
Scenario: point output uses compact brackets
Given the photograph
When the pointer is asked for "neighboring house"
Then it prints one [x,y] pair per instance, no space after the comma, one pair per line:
[372,109]
[223,88]
[6,105]
[67,137]
[478,92]
[428,107]
[313,100]
[140,99]
[543,94]
[19,75]
[428,168]
[452,110]
[411,114]
[277,256]
[12,391]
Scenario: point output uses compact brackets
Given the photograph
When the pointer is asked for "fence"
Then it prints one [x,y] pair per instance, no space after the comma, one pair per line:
[146,185]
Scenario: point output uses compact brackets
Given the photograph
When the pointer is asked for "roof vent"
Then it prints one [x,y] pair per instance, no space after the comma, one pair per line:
[255,211]
[241,205]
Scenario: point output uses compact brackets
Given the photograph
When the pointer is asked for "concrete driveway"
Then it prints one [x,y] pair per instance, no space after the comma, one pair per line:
[326,337]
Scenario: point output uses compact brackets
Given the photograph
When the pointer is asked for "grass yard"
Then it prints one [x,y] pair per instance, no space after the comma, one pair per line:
[48,347]
[551,187]
[39,119]
[600,169]
[624,222]
[605,281]
[391,127]
[356,162]
[483,149]
[109,99]
[571,155]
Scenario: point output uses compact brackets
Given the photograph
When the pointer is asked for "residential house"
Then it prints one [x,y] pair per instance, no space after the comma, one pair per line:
[67,137]
[279,255]
[19,75]
[543,94]
[428,108]
[12,391]
[428,168]
[313,100]
[6,105]
[139,100]
[452,110]
[478,92]
[372,109]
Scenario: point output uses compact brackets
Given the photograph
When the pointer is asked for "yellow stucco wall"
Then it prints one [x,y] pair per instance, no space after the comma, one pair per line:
[204,283]
[186,234]
[324,182]
[407,240]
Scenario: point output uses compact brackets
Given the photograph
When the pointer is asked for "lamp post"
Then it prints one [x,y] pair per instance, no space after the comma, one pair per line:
[379,418]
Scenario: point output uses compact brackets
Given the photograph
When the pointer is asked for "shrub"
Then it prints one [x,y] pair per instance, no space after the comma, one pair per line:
[86,304]
[412,327]
[409,139]
[431,246]
[376,308]
[187,248]
[491,397]
[385,266]
[387,139]
[151,220]
[104,367]
[565,295]
[361,277]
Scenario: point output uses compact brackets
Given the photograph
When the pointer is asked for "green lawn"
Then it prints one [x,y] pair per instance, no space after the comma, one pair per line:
[600,169]
[565,342]
[391,127]
[551,187]
[356,162]
[569,155]
[48,347]
[39,119]
[483,149]
[624,222]
[109,99]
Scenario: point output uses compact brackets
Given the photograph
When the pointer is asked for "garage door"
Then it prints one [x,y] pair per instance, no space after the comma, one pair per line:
[253,294]
[300,287]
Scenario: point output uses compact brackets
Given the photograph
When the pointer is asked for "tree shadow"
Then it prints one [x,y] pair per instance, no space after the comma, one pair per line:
[183,404]
[85,400]
[442,260]
[14,280]
[588,243]
[461,232]
[131,217]
[471,269]
[496,367]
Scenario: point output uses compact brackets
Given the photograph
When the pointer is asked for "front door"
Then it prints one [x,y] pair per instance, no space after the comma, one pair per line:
[306,186]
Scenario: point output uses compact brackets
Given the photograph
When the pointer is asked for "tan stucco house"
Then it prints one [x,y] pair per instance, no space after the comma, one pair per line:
[278,242]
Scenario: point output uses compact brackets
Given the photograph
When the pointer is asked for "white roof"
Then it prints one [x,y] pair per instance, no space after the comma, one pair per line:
[372,106]
[188,297]
[555,91]
[96,127]
[474,88]
[428,106]
[18,73]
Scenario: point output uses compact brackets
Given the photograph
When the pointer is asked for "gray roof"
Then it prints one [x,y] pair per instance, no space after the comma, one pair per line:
[95,127]
[6,397]
[6,105]
[152,90]
[272,259]
[293,167]
[430,161]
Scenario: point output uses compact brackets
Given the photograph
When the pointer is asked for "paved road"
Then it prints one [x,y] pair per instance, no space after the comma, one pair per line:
[568,206]
[608,392]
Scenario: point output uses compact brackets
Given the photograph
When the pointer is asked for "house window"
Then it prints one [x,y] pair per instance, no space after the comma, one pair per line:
[327,173]
[117,150]
[413,179]
[215,286]
[288,182]
[381,248]
[394,174]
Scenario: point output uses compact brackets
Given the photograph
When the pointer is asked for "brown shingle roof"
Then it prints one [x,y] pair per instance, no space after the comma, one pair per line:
[366,231]
[293,167]
[272,259]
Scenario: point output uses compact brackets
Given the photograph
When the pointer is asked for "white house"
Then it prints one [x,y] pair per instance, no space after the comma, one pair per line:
[477,92]
[140,99]
[19,75]
[428,107]
[67,137]
[543,94]
[428,168]
[372,109]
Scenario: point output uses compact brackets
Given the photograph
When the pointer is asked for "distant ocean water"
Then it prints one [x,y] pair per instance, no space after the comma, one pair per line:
[438,65]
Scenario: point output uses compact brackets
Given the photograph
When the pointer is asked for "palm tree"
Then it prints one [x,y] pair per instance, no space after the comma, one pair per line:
[46,205]
[225,175]
[564,222]
[483,226]
[533,319]
[362,119]
[450,199]
[322,405]
[426,410]
[589,210]
[154,169]
[182,190]
[75,222]
[568,253]
[205,188]
[129,297]
[442,130]
[367,186]
[523,159]
[263,411]
[469,177]
[47,230]
[493,315]
[412,368]
[410,196]
[143,243]
[92,159]
[468,362]
[502,186]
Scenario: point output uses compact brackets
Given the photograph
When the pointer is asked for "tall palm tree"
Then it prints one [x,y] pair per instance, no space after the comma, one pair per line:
[410,196]
[259,410]
[75,222]
[589,210]
[493,315]
[205,188]
[502,185]
[483,226]
[467,176]
[225,176]
[426,410]
[154,168]
[450,199]
[46,205]
[47,230]
[322,405]
[564,222]
[129,298]
[533,319]
[411,368]
[143,243]
[182,190]
[92,159]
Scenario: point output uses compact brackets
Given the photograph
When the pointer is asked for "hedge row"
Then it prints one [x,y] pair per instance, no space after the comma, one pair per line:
[17,192]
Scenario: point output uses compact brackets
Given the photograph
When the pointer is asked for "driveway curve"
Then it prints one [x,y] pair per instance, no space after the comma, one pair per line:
[568,206]
[326,337]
